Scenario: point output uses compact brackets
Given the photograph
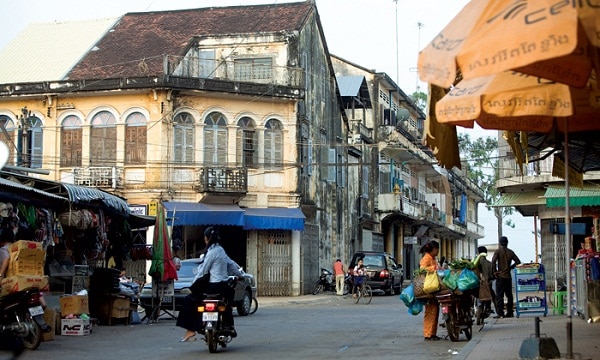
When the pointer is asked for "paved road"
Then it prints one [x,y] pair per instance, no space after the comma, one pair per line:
[309,327]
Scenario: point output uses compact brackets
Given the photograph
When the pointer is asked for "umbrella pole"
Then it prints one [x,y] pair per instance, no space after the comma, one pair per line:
[568,246]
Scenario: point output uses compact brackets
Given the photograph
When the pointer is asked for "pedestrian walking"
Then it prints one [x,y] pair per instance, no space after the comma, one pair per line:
[338,271]
[503,261]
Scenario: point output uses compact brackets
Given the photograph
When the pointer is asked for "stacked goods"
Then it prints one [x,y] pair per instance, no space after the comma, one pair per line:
[74,310]
[529,268]
[26,267]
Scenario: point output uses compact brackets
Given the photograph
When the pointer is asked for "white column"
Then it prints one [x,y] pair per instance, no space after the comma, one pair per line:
[296,263]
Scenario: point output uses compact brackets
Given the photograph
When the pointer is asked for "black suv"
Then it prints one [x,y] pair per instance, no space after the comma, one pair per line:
[384,273]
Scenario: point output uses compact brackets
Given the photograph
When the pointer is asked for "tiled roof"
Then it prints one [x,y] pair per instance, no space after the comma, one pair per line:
[47,51]
[136,45]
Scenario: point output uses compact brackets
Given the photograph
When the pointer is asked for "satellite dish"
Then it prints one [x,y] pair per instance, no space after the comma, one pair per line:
[402,115]
[3,154]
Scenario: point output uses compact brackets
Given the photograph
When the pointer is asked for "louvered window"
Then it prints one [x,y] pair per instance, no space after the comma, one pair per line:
[183,139]
[253,69]
[135,139]
[103,140]
[273,144]
[71,141]
[215,139]
[246,143]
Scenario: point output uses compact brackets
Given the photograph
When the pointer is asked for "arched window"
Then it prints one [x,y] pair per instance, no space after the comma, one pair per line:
[215,139]
[273,144]
[35,142]
[70,141]
[103,140]
[246,143]
[8,137]
[183,139]
[135,138]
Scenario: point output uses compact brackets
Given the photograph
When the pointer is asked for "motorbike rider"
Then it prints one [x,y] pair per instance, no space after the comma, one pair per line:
[218,266]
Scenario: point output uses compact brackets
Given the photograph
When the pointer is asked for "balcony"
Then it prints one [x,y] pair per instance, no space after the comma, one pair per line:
[191,67]
[99,177]
[221,182]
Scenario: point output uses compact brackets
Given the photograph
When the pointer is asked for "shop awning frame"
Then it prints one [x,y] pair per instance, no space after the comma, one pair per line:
[273,219]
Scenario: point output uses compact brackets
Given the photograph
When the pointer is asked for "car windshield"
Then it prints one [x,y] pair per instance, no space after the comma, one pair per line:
[374,260]
[188,270]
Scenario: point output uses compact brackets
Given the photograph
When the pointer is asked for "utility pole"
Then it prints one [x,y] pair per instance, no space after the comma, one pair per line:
[419,25]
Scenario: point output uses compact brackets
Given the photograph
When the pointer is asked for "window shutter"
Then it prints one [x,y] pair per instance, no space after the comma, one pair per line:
[221,140]
[207,63]
[331,167]
[189,145]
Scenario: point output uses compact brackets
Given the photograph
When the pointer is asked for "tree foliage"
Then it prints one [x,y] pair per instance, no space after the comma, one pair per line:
[420,99]
[481,164]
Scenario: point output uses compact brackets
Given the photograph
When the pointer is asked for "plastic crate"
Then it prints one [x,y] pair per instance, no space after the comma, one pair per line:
[528,305]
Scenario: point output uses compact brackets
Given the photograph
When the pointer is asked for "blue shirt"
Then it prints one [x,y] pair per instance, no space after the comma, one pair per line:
[218,265]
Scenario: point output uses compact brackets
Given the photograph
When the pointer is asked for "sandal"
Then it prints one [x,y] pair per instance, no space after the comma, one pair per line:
[433,338]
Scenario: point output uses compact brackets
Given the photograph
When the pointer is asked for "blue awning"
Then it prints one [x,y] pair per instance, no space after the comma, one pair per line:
[186,213]
[273,218]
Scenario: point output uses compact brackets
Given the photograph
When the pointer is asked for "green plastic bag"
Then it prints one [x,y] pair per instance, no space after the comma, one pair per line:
[408,295]
[468,280]
[450,279]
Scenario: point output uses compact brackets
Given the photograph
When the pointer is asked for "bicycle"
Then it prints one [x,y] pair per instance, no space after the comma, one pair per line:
[362,291]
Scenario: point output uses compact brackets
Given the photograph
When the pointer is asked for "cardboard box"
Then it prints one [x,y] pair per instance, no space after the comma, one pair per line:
[120,308]
[25,244]
[50,319]
[28,255]
[17,266]
[20,282]
[75,327]
[74,304]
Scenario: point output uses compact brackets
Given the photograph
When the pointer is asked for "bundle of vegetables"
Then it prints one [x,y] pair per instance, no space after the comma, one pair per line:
[462,264]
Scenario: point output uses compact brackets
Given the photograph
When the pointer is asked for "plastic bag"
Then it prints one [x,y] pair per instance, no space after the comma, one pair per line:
[416,307]
[432,283]
[467,280]
[450,279]
[408,295]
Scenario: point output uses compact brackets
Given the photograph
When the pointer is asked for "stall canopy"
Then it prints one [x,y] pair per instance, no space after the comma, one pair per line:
[13,191]
[185,213]
[589,195]
[273,218]
[74,194]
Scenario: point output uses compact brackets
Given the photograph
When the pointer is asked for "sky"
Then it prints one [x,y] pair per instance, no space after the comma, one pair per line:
[382,35]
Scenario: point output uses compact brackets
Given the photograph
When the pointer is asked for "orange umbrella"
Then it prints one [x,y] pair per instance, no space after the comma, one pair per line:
[557,40]
[517,102]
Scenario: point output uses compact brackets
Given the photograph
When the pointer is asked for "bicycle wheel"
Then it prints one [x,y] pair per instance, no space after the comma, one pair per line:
[356,293]
[367,294]
[254,306]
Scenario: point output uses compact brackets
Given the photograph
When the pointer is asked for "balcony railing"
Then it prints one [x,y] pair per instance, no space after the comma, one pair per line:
[193,67]
[221,180]
[100,177]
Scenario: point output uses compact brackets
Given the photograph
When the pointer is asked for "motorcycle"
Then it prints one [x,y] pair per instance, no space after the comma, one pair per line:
[324,284]
[457,312]
[213,310]
[21,315]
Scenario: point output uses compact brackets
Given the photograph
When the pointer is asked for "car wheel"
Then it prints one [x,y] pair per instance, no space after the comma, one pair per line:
[392,290]
[245,305]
